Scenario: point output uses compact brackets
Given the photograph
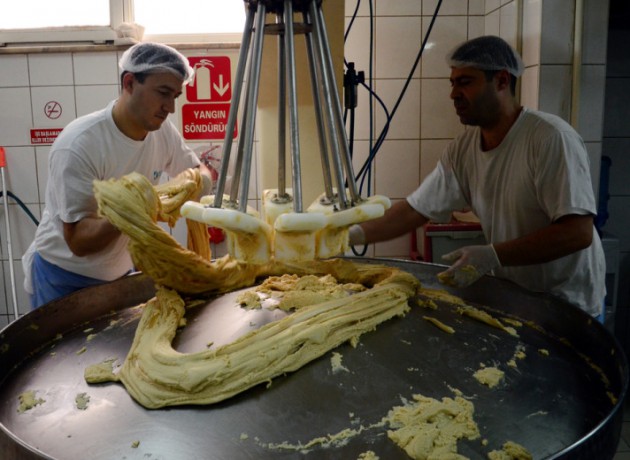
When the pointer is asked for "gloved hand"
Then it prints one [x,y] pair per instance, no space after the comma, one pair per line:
[470,264]
[356,235]
[206,185]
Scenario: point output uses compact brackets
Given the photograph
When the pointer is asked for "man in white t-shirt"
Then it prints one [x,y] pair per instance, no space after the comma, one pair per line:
[74,247]
[524,173]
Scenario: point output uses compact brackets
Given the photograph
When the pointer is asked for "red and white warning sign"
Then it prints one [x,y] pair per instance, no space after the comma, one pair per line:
[44,136]
[205,113]
[205,121]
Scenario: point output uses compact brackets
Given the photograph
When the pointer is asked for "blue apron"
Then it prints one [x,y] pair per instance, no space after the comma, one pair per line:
[51,282]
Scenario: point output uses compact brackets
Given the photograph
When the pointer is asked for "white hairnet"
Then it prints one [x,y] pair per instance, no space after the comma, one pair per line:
[487,53]
[155,58]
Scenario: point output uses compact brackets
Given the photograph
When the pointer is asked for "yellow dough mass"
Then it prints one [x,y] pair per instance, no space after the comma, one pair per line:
[156,375]
[331,302]
[429,429]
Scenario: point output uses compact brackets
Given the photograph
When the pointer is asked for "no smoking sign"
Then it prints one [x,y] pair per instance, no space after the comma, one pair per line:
[52,110]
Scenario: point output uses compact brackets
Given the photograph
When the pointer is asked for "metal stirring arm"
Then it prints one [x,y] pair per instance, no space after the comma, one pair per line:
[292,233]
[329,118]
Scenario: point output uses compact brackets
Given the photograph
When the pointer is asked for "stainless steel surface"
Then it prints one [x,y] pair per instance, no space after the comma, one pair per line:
[557,406]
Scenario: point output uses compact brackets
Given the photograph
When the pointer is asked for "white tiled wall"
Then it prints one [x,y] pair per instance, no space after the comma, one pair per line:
[422,125]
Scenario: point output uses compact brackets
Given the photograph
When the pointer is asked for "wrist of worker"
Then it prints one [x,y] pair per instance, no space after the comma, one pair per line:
[206,185]
[495,262]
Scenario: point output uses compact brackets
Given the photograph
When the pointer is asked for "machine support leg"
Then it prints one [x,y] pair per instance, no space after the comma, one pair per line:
[236,97]
[320,26]
[289,50]
[282,112]
[314,65]
[252,99]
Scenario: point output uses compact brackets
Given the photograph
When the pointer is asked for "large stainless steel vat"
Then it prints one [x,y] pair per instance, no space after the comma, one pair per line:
[564,405]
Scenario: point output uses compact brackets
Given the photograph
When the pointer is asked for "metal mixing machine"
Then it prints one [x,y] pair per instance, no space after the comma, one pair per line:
[287,231]
[563,399]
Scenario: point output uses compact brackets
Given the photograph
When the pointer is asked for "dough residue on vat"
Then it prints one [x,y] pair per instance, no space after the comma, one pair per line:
[81,401]
[519,354]
[439,324]
[440,294]
[489,376]
[335,363]
[429,428]
[426,428]
[28,400]
[510,451]
[428,303]
[485,317]
[512,321]
[249,300]
[338,439]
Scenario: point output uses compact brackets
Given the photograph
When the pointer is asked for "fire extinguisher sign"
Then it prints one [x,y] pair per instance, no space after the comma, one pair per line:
[208,95]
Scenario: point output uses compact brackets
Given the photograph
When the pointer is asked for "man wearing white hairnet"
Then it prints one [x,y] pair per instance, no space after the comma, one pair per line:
[524,173]
[73,247]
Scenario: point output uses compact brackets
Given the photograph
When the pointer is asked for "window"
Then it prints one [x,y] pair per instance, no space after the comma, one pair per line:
[41,13]
[96,21]
[205,19]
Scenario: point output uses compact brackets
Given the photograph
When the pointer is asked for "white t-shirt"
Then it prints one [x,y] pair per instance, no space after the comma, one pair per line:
[539,173]
[89,148]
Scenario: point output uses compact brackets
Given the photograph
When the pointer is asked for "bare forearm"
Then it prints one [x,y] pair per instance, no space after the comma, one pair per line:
[398,220]
[90,235]
[563,237]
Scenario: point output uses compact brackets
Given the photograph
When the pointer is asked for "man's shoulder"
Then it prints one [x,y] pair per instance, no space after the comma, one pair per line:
[540,120]
[82,127]
[549,132]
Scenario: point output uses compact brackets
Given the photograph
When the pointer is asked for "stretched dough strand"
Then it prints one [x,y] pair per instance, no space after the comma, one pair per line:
[156,375]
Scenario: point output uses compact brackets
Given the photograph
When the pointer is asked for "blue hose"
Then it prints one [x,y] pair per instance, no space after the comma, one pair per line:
[22,205]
